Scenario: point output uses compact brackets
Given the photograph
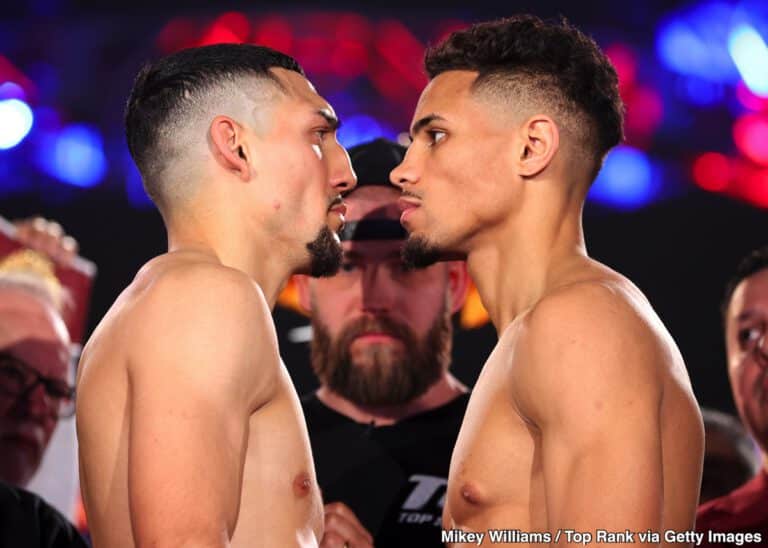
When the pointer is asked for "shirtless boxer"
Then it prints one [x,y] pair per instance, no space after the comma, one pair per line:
[191,433]
[583,417]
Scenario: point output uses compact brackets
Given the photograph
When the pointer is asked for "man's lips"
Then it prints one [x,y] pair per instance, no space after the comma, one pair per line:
[339,209]
[405,203]
[377,336]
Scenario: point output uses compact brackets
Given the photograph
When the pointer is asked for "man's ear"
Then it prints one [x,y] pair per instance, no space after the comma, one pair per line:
[229,147]
[303,291]
[458,284]
[540,140]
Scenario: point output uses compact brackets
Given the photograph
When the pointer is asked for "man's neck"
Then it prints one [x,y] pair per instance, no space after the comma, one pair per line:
[224,242]
[514,268]
[445,390]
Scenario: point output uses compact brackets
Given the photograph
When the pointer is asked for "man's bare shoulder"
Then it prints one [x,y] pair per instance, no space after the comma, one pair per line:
[600,311]
[590,338]
[169,287]
[185,302]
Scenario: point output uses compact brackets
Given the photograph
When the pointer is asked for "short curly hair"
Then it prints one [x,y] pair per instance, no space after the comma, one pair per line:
[524,57]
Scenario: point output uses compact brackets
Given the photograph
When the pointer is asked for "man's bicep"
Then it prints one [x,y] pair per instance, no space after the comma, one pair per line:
[596,397]
[185,461]
[610,479]
[195,377]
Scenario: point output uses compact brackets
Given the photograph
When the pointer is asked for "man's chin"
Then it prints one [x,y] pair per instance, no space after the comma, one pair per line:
[325,254]
[419,252]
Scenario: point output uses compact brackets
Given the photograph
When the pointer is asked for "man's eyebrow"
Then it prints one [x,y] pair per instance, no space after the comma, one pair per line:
[332,119]
[745,315]
[421,123]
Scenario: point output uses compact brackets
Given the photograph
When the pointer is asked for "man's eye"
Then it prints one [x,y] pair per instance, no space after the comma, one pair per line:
[321,133]
[748,336]
[436,136]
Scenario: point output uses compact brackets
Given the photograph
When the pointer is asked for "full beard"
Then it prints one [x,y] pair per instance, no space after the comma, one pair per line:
[325,254]
[382,375]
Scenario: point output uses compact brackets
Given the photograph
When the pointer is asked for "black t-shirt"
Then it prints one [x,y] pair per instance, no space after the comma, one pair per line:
[27,521]
[393,477]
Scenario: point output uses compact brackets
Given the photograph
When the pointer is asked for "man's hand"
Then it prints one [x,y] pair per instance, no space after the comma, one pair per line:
[46,237]
[343,529]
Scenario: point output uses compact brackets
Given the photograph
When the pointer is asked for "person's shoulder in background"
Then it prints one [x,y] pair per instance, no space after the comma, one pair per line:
[27,520]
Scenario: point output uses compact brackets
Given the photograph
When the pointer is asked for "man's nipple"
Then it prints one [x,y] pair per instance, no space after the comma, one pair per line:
[302,485]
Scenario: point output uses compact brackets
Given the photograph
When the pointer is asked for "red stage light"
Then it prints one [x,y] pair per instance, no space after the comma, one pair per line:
[237,23]
[274,32]
[645,111]
[445,28]
[9,73]
[712,171]
[756,188]
[177,34]
[312,52]
[623,59]
[349,58]
[219,34]
[750,133]
[400,48]
[354,27]
[750,100]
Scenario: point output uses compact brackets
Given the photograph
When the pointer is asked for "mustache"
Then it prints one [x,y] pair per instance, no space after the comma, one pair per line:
[336,200]
[374,324]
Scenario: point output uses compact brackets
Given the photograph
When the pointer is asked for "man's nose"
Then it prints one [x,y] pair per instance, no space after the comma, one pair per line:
[343,178]
[405,172]
[376,290]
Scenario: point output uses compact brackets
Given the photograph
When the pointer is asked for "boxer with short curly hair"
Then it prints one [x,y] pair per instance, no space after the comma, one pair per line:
[583,417]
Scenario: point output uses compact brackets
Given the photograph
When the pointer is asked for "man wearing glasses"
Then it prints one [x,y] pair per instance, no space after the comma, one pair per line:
[35,392]
[35,364]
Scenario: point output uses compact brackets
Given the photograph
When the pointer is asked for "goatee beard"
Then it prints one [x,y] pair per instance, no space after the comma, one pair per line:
[325,254]
[417,252]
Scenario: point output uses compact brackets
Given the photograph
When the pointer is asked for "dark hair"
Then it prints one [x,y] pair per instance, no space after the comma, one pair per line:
[753,263]
[554,58]
[161,90]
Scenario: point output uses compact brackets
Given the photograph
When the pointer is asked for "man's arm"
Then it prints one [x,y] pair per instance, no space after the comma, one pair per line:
[592,386]
[204,360]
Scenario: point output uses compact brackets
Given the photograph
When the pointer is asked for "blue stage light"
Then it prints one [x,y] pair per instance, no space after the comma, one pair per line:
[16,121]
[361,128]
[694,42]
[134,188]
[626,180]
[750,55]
[702,92]
[75,156]
[680,48]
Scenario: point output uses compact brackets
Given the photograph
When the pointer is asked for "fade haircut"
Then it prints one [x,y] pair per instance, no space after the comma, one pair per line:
[756,261]
[183,92]
[523,61]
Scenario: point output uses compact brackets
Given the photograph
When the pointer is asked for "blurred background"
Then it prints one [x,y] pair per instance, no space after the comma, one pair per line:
[674,208]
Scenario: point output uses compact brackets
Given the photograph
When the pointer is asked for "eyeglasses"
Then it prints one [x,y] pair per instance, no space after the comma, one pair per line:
[18,380]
